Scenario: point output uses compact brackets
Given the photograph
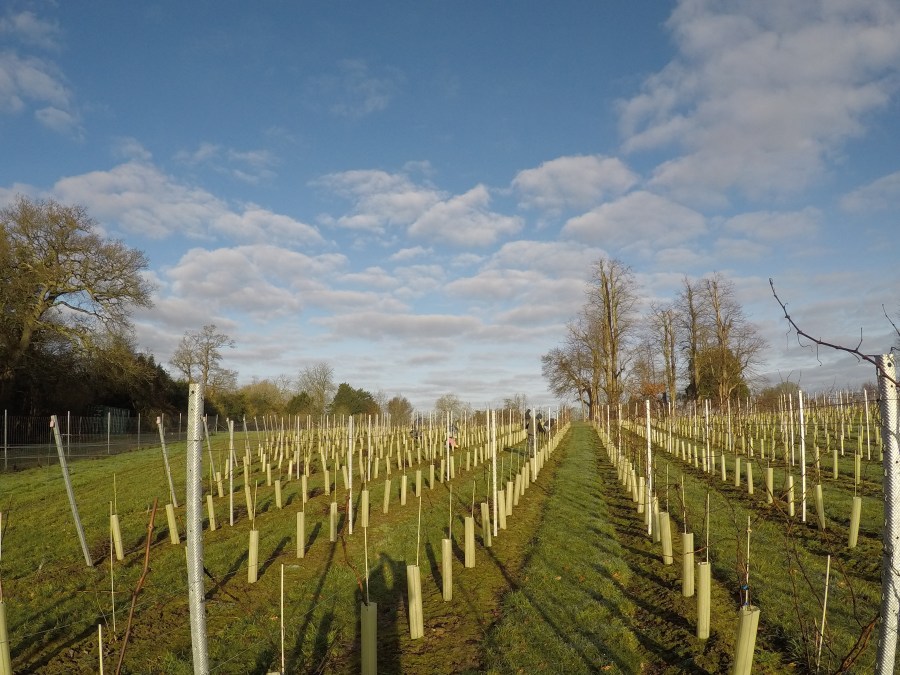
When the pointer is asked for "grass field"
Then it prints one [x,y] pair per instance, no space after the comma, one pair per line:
[573,585]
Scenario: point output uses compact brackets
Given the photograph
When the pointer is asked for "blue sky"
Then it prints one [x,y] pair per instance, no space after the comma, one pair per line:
[414,192]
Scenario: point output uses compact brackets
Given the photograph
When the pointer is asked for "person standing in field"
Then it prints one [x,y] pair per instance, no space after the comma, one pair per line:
[533,423]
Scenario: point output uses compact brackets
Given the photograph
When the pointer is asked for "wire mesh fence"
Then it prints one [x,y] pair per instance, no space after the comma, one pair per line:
[28,441]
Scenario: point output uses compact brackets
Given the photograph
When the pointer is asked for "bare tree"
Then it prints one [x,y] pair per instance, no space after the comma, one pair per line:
[451,403]
[611,301]
[664,338]
[400,410]
[317,381]
[736,344]
[516,402]
[198,358]
[647,379]
[60,279]
[692,327]
[574,369]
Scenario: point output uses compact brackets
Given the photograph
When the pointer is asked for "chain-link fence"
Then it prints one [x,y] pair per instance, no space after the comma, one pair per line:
[28,441]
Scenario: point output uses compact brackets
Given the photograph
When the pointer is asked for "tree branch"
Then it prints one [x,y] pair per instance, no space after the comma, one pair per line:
[855,351]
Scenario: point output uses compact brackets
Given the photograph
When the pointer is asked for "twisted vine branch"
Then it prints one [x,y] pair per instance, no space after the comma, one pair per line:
[855,351]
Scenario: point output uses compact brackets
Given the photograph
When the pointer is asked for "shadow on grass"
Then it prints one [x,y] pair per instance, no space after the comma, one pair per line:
[277,552]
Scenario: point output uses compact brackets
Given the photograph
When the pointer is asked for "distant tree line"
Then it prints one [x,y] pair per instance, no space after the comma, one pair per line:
[698,346]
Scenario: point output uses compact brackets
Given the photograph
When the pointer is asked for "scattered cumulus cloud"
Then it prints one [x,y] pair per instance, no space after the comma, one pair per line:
[385,203]
[572,182]
[353,91]
[411,253]
[381,200]
[465,220]
[26,80]
[730,248]
[32,82]
[263,280]
[882,194]
[142,200]
[637,218]
[60,121]
[761,93]
[128,148]
[29,29]
[248,166]
[378,326]
[775,226]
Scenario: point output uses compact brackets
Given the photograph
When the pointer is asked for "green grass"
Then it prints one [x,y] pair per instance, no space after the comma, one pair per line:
[54,601]
[573,585]
[572,612]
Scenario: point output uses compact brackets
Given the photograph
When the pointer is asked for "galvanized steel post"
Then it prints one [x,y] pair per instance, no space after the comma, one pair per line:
[890,583]
[194,479]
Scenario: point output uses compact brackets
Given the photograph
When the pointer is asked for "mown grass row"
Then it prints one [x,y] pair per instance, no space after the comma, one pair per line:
[787,557]
[54,602]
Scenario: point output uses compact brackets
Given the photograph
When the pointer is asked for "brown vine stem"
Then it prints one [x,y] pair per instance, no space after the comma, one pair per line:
[140,585]
[855,351]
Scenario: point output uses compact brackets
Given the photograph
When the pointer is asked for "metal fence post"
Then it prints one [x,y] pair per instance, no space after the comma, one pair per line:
[165,454]
[890,566]
[65,471]
[193,497]
[5,444]
[108,429]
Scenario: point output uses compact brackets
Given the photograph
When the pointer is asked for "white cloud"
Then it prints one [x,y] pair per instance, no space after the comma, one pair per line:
[371,277]
[140,199]
[380,326]
[248,166]
[263,280]
[636,219]
[419,280]
[406,254]
[554,258]
[774,225]
[573,182]
[761,92]
[29,82]
[129,148]
[380,199]
[60,121]
[30,79]
[728,248]
[353,91]
[882,194]
[465,220]
[31,30]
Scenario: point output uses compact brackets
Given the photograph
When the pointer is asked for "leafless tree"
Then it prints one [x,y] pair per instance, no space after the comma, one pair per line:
[664,338]
[736,344]
[198,358]
[692,331]
[612,298]
[574,369]
[317,381]
[400,410]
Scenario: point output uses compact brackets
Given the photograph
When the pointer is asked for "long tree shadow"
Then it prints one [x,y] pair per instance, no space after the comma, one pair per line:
[313,535]
[435,568]
[295,659]
[277,552]
[324,641]
[48,657]
[386,588]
